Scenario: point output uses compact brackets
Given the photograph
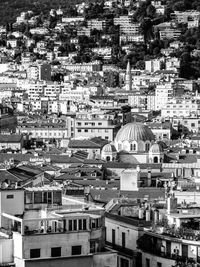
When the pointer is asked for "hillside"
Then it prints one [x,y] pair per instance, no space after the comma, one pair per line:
[10,9]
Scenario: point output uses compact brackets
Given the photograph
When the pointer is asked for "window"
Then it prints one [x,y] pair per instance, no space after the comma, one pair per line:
[86,130]
[70,225]
[99,123]
[123,239]
[9,196]
[159,264]
[75,225]
[79,123]
[147,262]
[56,252]
[113,236]
[192,124]
[92,246]
[76,250]
[147,146]
[124,262]
[133,147]
[79,131]
[84,224]
[35,253]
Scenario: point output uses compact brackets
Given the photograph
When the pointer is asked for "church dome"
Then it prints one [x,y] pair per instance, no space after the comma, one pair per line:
[134,131]
[109,148]
[155,149]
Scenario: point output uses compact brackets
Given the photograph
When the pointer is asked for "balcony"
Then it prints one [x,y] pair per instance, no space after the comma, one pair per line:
[151,244]
[187,231]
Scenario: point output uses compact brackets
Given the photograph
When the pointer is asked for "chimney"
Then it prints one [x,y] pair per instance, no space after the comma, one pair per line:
[149,177]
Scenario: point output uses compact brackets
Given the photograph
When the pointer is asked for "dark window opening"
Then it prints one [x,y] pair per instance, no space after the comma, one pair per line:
[35,253]
[76,250]
[56,252]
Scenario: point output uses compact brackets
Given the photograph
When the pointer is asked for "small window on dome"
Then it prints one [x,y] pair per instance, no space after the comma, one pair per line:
[147,146]
[133,147]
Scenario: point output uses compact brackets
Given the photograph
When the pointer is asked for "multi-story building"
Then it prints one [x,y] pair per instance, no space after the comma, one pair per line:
[41,231]
[163,93]
[142,100]
[181,108]
[45,130]
[154,65]
[84,67]
[97,24]
[173,240]
[39,72]
[8,122]
[88,125]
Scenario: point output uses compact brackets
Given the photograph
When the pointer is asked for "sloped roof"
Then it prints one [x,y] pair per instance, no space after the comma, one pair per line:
[107,195]
[5,175]
[12,138]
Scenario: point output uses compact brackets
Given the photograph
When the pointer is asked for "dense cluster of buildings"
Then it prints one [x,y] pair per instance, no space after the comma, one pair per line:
[99,165]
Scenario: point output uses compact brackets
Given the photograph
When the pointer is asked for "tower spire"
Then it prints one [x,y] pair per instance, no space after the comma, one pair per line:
[128,77]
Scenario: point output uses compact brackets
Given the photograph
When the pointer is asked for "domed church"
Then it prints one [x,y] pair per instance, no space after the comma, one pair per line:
[135,143]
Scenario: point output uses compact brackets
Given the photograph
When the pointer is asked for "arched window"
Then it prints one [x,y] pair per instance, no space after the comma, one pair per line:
[147,146]
[155,160]
[133,147]
[107,158]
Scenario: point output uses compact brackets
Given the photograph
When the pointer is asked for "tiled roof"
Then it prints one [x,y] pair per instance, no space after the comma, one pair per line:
[92,143]
[12,138]
[5,175]
[106,195]
[122,165]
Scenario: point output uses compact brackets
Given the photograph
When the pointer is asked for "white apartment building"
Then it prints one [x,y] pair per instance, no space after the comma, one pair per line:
[83,67]
[163,93]
[52,90]
[145,101]
[88,125]
[153,65]
[96,24]
[39,72]
[180,108]
[45,235]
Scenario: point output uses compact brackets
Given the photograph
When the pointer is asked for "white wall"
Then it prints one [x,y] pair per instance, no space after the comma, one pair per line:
[6,250]
[131,233]
[129,180]
[65,241]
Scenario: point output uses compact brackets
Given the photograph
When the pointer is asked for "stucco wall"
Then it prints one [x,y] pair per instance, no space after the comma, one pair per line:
[46,241]
[84,261]
[6,250]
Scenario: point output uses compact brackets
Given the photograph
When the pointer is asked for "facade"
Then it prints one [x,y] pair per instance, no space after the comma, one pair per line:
[13,142]
[53,236]
[181,108]
[163,93]
[96,125]
[8,122]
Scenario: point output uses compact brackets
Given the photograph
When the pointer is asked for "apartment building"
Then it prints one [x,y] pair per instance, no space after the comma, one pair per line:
[97,24]
[163,93]
[51,230]
[181,108]
[144,101]
[83,67]
[88,125]
[39,72]
[45,131]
